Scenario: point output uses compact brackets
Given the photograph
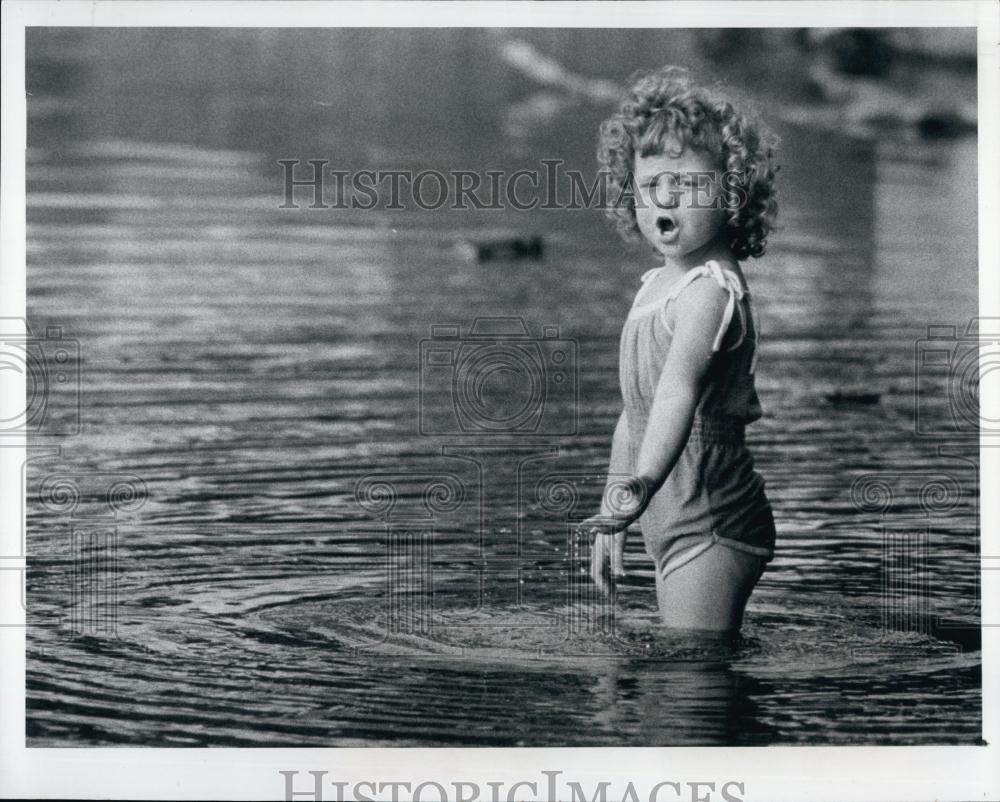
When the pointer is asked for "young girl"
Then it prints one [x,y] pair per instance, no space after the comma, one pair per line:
[695,180]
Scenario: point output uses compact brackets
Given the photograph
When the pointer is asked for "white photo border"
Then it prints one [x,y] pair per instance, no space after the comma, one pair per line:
[773,773]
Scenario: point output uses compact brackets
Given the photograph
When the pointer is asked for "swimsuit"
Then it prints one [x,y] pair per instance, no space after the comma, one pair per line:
[713,494]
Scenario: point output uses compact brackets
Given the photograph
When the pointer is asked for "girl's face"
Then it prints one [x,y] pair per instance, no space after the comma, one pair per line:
[679,204]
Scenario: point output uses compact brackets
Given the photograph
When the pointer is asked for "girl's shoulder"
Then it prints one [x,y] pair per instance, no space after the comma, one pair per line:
[661,285]
[715,296]
[655,289]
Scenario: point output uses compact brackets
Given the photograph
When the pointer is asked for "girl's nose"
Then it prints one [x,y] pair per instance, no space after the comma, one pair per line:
[667,196]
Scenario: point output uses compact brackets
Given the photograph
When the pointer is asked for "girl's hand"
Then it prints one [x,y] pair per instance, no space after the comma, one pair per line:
[623,503]
[606,547]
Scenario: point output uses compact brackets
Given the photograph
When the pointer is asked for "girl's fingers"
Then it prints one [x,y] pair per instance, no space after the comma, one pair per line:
[608,546]
[618,554]
[597,554]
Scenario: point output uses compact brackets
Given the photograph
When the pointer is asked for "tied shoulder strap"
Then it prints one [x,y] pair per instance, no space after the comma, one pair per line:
[730,283]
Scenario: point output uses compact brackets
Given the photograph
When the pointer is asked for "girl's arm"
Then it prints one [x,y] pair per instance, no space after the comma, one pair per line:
[699,309]
[612,549]
[619,467]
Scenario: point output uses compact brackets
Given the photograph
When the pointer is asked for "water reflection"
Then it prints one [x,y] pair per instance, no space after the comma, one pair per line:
[704,703]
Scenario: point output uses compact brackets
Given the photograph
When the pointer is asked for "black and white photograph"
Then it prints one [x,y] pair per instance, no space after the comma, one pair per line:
[508,379]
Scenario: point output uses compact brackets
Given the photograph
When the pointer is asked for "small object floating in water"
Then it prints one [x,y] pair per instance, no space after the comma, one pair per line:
[944,124]
[500,249]
[859,399]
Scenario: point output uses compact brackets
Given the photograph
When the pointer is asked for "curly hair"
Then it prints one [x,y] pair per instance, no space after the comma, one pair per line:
[666,104]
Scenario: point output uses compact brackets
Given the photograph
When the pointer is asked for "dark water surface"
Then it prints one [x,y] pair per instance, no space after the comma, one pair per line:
[254,375]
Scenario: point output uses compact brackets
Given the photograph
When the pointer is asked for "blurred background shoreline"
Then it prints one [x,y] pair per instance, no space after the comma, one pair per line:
[283,91]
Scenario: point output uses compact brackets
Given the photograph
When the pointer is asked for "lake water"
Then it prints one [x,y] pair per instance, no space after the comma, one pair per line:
[257,539]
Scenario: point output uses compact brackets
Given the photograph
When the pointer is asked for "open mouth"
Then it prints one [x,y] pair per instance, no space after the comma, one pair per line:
[665,225]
